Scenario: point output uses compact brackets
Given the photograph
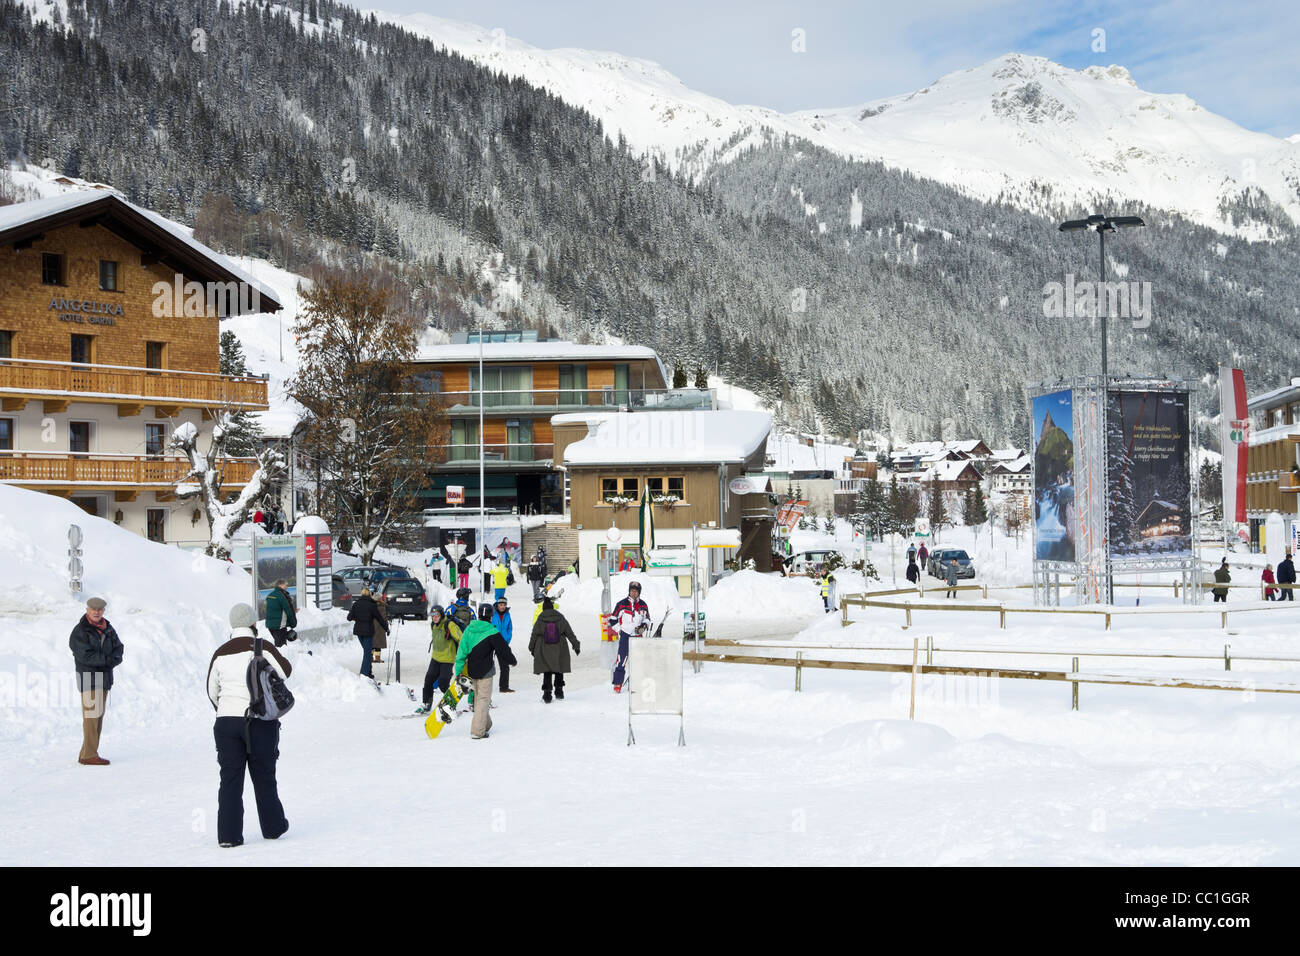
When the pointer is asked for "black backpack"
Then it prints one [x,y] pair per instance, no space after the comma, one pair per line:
[462,615]
[268,696]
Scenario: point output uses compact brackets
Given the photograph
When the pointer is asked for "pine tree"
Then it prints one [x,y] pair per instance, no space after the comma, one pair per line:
[977,511]
[936,511]
[243,431]
[701,377]
[679,375]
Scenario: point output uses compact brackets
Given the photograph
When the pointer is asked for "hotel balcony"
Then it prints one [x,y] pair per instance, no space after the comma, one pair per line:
[495,457]
[127,475]
[56,384]
[555,401]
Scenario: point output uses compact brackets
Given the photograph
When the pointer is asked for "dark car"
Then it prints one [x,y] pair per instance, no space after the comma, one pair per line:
[406,598]
[341,596]
[370,576]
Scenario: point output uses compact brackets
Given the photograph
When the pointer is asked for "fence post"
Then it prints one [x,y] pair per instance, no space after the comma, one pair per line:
[844,610]
[1175,588]
[1224,622]
[1108,620]
[1074,685]
[929,651]
[798,671]
[986,592]
[911,710]
[908,609]
[1227,658]
[1002,616]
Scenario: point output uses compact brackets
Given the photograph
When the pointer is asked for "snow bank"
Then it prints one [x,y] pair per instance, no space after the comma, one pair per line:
[310,524]
[749,594]
[169,607]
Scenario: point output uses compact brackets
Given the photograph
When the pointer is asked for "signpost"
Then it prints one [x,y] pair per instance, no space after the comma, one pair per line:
[455,494]
[75,568]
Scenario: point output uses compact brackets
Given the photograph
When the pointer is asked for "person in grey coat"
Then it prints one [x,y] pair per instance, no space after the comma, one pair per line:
[951,579]
[549,645]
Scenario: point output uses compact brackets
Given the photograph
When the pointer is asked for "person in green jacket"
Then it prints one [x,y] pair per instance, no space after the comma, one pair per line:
[480,643]
[443,644]
[280,617]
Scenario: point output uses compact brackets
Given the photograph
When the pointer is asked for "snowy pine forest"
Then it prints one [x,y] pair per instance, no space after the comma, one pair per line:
[851,295]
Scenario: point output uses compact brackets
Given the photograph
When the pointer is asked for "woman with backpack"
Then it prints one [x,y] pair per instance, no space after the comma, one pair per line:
[462,572]
[365,614]
[243,742]
[550,651]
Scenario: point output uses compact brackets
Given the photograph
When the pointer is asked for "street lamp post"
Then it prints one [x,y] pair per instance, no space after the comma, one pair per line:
[482,486]
[1101,225]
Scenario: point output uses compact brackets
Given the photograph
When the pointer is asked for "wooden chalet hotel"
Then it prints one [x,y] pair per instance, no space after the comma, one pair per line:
[98,366]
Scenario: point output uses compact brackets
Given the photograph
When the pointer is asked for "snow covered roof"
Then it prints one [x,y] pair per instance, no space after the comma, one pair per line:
[1277,433]
[947,470]
[1277,396]
[554,351]
[176,246]
[695,437]
[1006,454]
[1014,467]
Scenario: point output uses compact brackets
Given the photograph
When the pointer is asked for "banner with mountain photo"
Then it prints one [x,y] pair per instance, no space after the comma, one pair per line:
[1053,456]
[1148,474]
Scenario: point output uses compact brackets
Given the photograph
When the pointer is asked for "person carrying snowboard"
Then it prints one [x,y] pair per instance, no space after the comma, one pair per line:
[480,643]
[629,614]
[550,651]
[443,644]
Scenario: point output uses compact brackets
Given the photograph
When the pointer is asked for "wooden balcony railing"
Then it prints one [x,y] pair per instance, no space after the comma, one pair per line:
[67,469]
[33,378]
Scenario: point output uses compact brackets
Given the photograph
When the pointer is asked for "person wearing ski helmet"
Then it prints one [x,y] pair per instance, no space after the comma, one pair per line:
[629,614]
[444,642]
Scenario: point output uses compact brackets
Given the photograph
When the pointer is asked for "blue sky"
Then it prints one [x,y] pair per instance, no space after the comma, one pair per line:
[1237,59]
[1060,404]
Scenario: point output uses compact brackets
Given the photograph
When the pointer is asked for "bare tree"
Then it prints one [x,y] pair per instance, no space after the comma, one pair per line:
[205,477]
[369,422]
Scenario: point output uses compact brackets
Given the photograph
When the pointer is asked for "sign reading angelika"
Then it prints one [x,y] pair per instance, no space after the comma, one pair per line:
[85,310]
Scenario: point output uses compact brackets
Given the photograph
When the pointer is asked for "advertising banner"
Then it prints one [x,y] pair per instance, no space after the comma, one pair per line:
[504,535]
[277,557]
[1234,432]
[1053,456]
[1148,474]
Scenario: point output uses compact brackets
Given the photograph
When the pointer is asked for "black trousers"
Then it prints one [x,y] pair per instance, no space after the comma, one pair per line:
[438,673]
[233,757]
[1288,594]
[546,683]
[1220,598]
[504,683]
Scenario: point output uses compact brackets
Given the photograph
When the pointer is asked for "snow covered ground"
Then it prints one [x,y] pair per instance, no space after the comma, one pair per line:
[991,771]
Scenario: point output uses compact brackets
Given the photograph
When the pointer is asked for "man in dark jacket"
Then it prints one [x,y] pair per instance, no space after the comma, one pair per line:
[280,616]
[96,650]
[535,577]
[1286,575]
[1222,576]
[365,612]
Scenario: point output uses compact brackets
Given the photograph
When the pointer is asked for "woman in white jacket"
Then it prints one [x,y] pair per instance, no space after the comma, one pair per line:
[241,742]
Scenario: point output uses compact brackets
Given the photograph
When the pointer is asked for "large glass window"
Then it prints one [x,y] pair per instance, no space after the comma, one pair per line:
[154,523]
[506,385]
[621,384]
[108,276]
[573,385]
[6,345]
[153,354]
[6,434]
[464,438]
[519,440]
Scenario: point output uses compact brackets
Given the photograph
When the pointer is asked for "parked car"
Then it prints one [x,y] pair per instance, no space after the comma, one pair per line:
[938,562]
[370,576]
[807,562]
[341,596]
[406,598]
